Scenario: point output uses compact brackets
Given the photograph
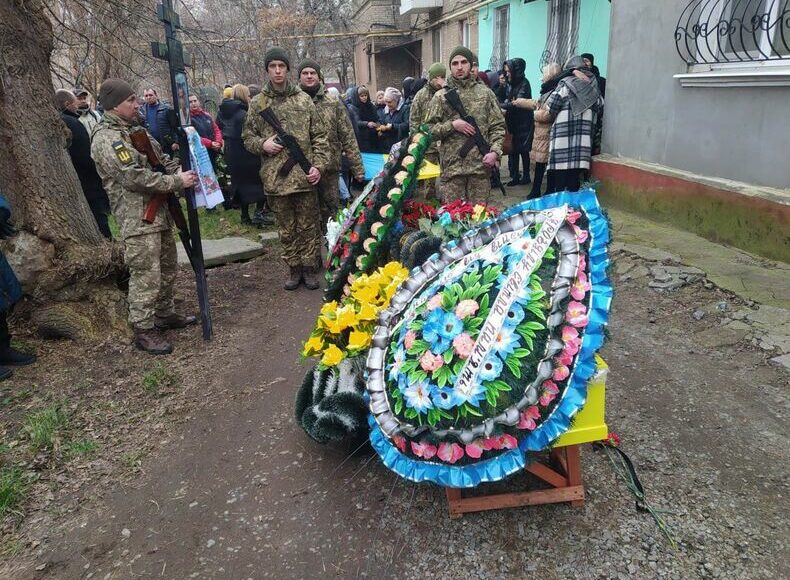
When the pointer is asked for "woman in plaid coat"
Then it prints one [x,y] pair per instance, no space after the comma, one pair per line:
[576,106]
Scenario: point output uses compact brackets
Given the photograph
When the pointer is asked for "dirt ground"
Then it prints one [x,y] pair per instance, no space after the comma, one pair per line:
[206,475]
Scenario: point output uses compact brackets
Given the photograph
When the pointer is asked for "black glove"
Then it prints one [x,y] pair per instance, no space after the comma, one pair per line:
[6,229]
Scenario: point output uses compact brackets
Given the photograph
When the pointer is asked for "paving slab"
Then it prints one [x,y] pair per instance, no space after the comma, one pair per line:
[224,251]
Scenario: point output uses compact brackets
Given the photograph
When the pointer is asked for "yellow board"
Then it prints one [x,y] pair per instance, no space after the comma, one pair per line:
[590,423]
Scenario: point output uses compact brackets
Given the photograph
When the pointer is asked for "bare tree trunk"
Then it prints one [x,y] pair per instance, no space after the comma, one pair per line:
[65,265]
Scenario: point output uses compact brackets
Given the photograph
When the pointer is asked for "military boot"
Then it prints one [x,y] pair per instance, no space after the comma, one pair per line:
[151,341]
[5,373]
[310,276]
[294,278]
[12,357]
[174,321]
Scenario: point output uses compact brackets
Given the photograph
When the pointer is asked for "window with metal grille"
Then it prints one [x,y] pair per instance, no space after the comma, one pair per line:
[719,32]
[501,37]
[563,36]
[464,32]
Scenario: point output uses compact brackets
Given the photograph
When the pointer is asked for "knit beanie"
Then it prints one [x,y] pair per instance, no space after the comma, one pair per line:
[276,53]
[462,51]
[309,63]
[474,60]
[437,69]
[113,92]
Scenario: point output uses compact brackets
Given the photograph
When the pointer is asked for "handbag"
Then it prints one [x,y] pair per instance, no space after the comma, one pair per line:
[507,144]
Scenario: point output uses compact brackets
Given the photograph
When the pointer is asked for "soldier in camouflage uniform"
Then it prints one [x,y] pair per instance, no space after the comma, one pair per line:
[131,182]
[418,114]
[292,197]
[466,178]
[341,137]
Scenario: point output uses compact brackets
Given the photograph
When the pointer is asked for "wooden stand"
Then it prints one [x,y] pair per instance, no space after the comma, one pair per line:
[566,482]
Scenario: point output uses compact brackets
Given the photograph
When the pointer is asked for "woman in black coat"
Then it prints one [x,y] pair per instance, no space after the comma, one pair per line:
[365,119]
[520,121]
[243,166]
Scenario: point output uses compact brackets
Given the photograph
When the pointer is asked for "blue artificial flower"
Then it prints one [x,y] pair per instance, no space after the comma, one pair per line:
[445,219]
[398,359]
[451,326]
[444,397]
[515,315]
[418,396]
[433,331]
[490,369]
[472,394]
[505,341]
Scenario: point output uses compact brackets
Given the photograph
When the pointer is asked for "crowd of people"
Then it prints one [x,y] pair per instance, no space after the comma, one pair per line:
[557,132]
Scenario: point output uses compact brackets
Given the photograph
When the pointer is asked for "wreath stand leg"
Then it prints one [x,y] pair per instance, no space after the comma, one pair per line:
[566,485]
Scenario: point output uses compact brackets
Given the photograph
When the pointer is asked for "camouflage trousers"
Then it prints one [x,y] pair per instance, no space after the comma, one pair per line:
[298,227]
[153,263]
[426,189]
[472,188]
[328,197]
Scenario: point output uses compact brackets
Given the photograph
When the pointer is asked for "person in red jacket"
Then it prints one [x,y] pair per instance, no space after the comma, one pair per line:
[207,128]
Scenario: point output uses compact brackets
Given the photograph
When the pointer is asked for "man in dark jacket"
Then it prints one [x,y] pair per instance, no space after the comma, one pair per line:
[10,294]
[154,112]
[80,152]
[520,121]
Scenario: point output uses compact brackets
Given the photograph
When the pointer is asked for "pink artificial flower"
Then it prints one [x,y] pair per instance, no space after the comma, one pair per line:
[576,314]
[565,358]
[581,235]
[508,442]
[561,373]
[528,418]
[450,452]
[463,345]
[400,443]
[582,267]
[573,215]
[490,443]
[466,308]
[424,450]
[546,398]
[580,286]
[434,302]
[551,387]
[409,339]
[430,362]
[475,449]
[570,336]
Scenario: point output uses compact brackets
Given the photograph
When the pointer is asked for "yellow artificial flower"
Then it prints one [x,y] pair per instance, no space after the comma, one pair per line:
[313,346]
[393,270]
[364,294]
[332,356]
[367,312]
[358,340]
[479,213]
[346,317]
[329,308]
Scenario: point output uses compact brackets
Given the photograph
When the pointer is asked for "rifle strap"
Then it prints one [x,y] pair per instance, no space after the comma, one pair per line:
[466,147]
[286,168]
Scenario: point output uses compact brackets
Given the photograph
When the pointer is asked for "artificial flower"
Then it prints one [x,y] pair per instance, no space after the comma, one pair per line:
[581,235]
[582,267]
[528,418]
[397,362]
[409,339]
[570,336]
[576,314]
[401,176]
[394,270]
[329,308]
[418,396]
[444,397]
[424,449]
[505,341]
[431,362]
[479,213]
[564,358]
[580,286]
[472,393]
[400,443]
[466,308]
[474,449]
[506,441]
[332,356]
[374,229]
[463,345]
[358,340]
[367,312]
[445,219]
[434,302]
[386,210]
[490,369]
[313,346]
[545,398]
[450,452]
[514,315]
[561,373]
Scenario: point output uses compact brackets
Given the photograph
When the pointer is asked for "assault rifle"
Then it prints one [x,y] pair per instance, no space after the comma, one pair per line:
[295,153]
[142,143]
[454,100]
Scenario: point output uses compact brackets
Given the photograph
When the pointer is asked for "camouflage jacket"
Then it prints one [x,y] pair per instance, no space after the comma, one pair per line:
[340,132]
[479,102]
[418,114]
[299,117]
[129,179]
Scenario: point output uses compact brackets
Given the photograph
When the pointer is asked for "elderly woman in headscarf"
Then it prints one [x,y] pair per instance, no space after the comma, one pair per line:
[575,106]
[394,119]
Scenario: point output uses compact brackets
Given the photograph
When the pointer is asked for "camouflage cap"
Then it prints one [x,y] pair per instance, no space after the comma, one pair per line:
[113,92]
[276,53]
[462,51]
